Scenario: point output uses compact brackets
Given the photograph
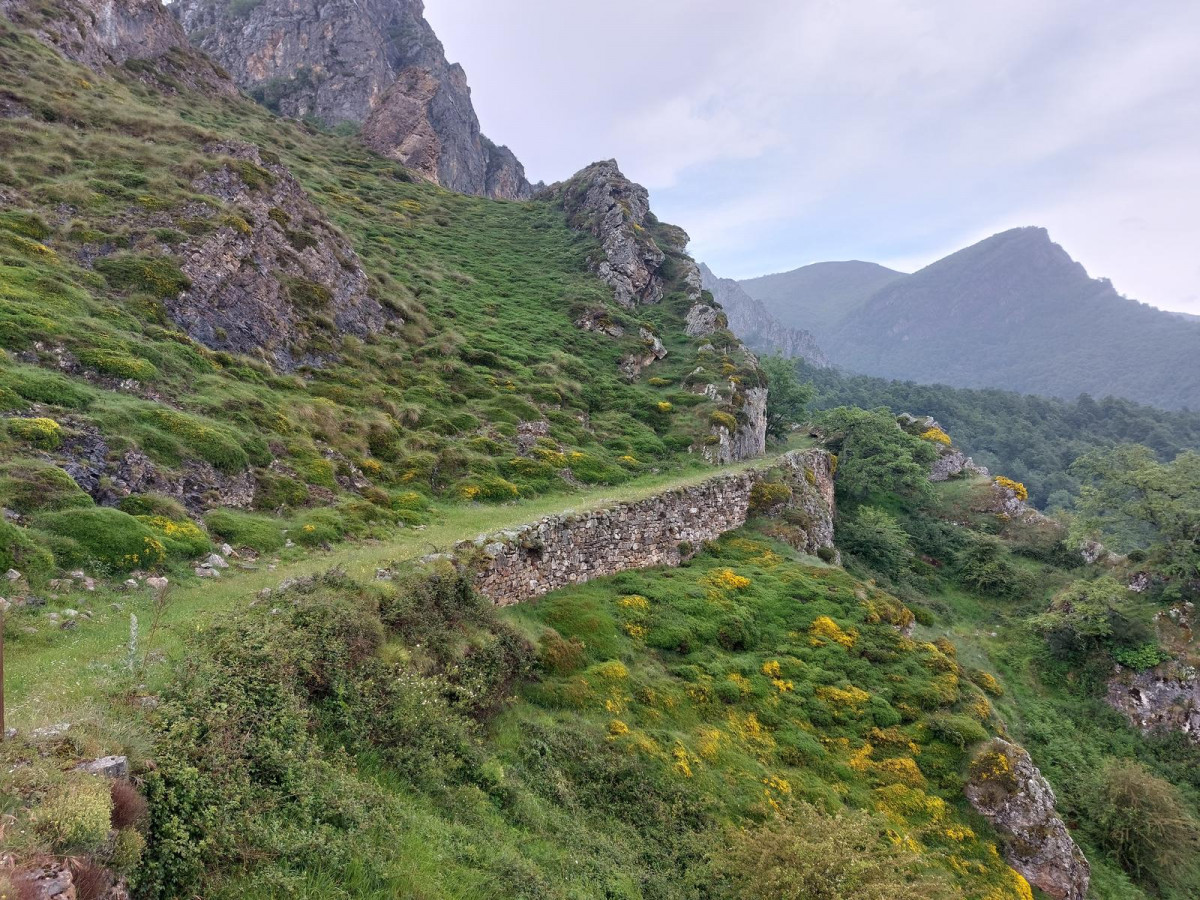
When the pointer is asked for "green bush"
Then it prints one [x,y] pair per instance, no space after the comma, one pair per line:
[30,486]
[106,539]
[807,854]
[152,505]
[118,364]
[156,275]
[1145,824]
[240,529]
[45,434]
[872,535]
[210,442]
[961,731]
[766,495]
[181,538]
[75,818]
[21,550]
[320,526]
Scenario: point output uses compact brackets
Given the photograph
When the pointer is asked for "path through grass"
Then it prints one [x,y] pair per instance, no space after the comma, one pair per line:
[50,674]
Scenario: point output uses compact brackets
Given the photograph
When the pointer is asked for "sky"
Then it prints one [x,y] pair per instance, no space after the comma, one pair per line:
[784,132]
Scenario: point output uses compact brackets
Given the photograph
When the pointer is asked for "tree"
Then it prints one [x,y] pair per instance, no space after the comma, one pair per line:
[1134,502]
[875,456]
[787,397]
[1086,615]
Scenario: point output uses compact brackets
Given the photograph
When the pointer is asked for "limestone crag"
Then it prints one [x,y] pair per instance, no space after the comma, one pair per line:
[1007,789]
[606,204]
[101,33]
[951,463]
[749,319]
[1159,700]
[278,280]
[373,63]
[515,566]
[748,439]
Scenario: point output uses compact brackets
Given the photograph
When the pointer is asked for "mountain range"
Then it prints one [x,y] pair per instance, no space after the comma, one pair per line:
[1013,311]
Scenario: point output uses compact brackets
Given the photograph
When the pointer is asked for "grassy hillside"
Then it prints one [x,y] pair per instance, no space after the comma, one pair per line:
[110,184]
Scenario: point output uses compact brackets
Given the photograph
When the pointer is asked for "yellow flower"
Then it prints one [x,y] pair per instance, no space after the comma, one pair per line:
[936,435]
[824,628]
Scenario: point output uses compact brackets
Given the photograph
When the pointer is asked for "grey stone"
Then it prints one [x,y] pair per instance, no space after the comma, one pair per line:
[12,576]
[1163,699]
[204,572]
[1020,804]
[215,561]
[107,766]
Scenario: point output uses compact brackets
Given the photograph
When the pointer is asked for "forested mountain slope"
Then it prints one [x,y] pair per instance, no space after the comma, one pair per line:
[818,296]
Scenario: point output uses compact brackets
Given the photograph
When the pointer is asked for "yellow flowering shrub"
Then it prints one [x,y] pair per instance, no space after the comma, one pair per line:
[664,406]
[634,601]
[726,580]
[851,697]
[43,433]
[683,760]
[708,742]
[1021,492]
[936,435]
[628,460]
[824,629]
[617,728]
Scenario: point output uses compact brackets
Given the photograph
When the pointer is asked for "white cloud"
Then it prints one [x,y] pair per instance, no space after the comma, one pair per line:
[780,132]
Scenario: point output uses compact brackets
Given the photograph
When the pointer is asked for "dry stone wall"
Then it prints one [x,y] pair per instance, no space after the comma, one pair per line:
[663,530]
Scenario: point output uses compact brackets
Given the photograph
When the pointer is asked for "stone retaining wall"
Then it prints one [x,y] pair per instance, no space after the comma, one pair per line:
[663,530]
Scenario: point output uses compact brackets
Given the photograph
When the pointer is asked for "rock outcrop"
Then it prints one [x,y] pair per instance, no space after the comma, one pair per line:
[102,33]
[759,330]
[514,566]
[616,211]
[951,463]
[372,63]
[1007,789]
[1163,699]
[277,279]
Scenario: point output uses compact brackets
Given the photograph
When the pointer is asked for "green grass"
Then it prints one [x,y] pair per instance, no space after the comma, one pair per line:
[42,671]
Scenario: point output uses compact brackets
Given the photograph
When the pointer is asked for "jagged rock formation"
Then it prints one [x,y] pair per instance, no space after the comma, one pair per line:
[100,33]
[280,280]
[374,63]
[749,319]
[643,260]
[515,566]
[1008,790]
[1163,699]
[603,202]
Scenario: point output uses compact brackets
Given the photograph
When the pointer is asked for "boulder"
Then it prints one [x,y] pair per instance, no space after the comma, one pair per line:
[1007,789]
[1163,699]
[107,766]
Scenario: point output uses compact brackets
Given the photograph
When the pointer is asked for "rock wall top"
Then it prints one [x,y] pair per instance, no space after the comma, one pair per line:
[1007,789]
[375,63]
[514,566]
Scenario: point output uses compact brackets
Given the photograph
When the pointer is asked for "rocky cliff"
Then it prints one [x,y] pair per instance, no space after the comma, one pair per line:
[1163,699]
[749,319]
[100,33]
[645,262]
[1007,789]
[370,63]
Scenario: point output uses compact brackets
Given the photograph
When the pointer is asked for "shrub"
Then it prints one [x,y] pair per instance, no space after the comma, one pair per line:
[937,436]
[20,550]
[723,420]
[157,275]
[129,808]
[766,495]
[30,486]
[1015,486]
[211,442]
[180,537]
[76,817]
[876,538]
[808,855]
[489,488]
[106,538]
[961,731]
[559,656]
[241,529]
[1141,658]
[45,434]
[984,567]
[118,364]
[1143,821]
[152,505]
[321,526]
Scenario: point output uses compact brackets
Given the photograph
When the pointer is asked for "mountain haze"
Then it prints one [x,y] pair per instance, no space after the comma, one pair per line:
[818,296]
[761,331]
[1013,311]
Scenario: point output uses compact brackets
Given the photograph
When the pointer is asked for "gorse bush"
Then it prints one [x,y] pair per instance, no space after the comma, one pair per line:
[104,538]
[806,854]
[876,537]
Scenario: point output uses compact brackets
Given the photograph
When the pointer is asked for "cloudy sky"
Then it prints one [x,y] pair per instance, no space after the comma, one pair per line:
[784,132]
